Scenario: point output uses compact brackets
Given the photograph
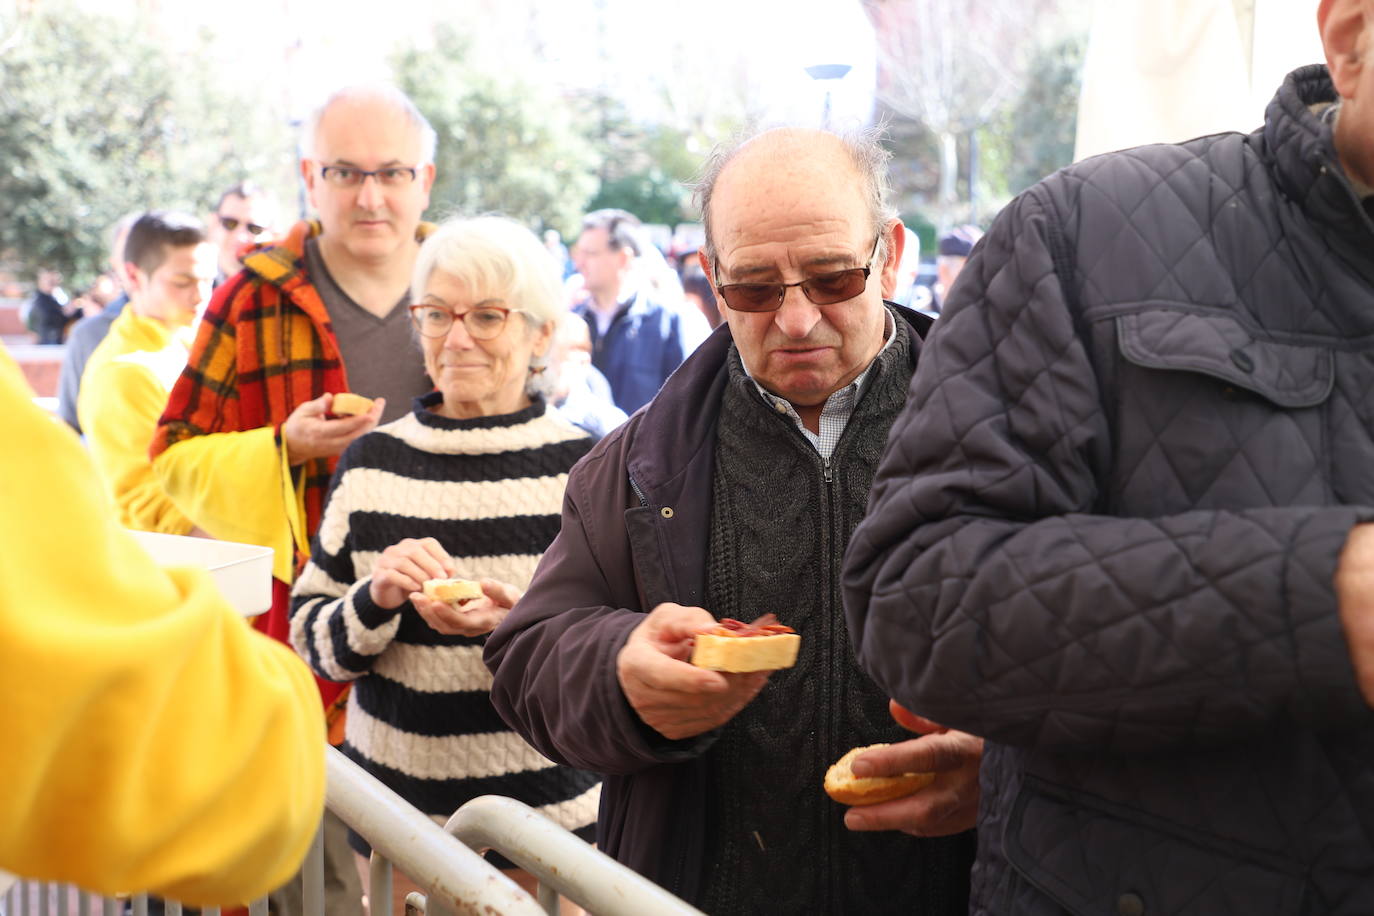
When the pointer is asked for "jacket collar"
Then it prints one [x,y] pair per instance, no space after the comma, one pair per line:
[680,422]
[1303,153]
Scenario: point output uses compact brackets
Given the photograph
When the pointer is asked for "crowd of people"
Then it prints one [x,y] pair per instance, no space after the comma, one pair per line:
[1093,548]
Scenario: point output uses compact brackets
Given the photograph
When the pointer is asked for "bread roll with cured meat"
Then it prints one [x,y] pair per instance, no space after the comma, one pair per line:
[736,647]
[842,785]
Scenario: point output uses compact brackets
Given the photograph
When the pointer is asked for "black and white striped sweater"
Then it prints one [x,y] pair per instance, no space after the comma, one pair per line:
[490,490]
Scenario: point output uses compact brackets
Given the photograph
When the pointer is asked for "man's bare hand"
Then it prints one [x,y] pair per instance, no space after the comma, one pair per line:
[471,618]
[674,697]
[946,806]
[1354,582]
[404,568]
[309,432]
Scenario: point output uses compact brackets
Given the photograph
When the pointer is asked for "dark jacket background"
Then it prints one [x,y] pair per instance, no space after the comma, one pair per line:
[616,557]
[1105,529]
[642,346]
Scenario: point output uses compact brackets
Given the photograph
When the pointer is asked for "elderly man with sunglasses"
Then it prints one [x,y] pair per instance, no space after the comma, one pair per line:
[248,442]
[732,495]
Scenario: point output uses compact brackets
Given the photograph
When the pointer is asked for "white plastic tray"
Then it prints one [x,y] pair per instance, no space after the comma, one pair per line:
[243,572]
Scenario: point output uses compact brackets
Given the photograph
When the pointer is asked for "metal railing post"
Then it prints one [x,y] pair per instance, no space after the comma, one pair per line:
[561,860]
[457,878]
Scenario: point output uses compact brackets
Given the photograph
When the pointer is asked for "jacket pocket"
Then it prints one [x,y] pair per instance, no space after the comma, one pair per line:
[1093,858]
[1208,416]
[1288,375]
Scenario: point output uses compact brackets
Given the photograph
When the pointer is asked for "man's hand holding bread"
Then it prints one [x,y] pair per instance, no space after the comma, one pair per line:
[671,695]
[947,805]
[315,430]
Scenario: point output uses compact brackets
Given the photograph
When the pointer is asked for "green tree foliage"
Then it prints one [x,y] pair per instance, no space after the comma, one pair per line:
[646,168]
[1035,135]
[96,121]
[506,144]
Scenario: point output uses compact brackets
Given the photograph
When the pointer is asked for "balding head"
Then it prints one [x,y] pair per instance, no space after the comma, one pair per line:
[348,101]
[796,236]
[861,152]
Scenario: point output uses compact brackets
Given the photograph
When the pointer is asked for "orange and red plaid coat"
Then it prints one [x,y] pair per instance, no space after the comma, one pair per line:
[265,346]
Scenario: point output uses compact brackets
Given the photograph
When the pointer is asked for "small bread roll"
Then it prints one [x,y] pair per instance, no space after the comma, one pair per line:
[348,404]
[842,785]
[454,591]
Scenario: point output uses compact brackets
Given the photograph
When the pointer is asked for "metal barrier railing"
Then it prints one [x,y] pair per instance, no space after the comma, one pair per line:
[441,860]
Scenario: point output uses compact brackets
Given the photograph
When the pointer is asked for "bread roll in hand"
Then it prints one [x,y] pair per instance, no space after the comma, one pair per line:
[842,785]
[347,404]
[736,647]
[454,591]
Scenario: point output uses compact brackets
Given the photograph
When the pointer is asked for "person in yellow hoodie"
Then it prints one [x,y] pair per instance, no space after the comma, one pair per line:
[140,710]
[167,272]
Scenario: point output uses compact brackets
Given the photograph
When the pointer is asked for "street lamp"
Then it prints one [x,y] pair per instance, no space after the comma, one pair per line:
[827,72]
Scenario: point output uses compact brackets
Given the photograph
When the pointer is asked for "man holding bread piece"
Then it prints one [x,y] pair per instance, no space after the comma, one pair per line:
[1124,527]
[730,497]
[316,313]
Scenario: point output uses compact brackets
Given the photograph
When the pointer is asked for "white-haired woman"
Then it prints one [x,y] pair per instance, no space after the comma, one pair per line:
[469,484]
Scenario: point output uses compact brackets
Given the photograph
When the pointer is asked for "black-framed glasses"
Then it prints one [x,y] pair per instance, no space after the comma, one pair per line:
[822,289]
[231,223]
[346,176]
[482,323]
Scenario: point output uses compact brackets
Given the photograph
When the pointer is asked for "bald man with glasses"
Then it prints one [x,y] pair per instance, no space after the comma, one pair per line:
[248,442]
[733,495]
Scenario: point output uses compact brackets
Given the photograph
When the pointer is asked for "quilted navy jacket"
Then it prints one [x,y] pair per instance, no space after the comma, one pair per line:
[1105,529]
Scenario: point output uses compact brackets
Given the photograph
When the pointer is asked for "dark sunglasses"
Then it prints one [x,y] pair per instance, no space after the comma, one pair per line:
[230,224]
[823,289]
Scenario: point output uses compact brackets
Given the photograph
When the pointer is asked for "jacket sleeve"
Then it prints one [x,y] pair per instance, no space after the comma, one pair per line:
[152,739]
[119,407]
[233,483]
[553,659]
[983,592]
[335,625]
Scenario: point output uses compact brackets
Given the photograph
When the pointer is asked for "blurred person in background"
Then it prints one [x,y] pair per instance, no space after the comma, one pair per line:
[87,333]
[953,250]
[637,340]
[169,268]
[697,290]
[47,314]
[580,391]
[244,216]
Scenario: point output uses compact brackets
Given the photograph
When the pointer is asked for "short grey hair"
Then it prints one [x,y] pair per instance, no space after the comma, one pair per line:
[388,94]
[866,152]
[497,258]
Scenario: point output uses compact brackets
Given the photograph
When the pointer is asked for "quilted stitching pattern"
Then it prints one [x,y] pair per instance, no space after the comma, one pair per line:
[1104,532]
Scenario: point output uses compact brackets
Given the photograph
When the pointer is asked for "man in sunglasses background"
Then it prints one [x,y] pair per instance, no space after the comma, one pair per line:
[247,444]
[244,215]
[732,495]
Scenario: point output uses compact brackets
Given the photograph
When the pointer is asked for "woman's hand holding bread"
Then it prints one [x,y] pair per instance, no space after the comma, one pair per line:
[464,616]
[404,567]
